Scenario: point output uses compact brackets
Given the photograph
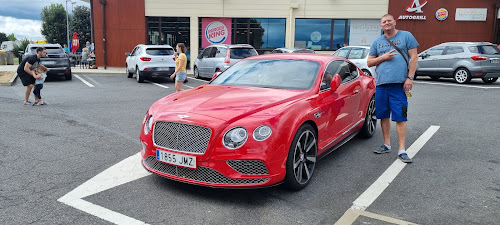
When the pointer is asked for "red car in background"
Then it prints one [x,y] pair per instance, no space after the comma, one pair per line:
[263,121]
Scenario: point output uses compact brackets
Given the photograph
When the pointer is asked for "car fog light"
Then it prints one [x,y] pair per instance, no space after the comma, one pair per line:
[262,133]
[235,137]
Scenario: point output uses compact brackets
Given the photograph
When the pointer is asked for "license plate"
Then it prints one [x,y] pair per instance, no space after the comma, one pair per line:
[495,61]
[48,62]
[176,159]
[163,69]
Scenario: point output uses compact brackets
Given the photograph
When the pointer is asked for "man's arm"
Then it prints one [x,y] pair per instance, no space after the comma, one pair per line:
[374,61]
[27,67]
[413,61]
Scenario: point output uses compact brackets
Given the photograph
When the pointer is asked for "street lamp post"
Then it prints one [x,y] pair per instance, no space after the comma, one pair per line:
[67,23]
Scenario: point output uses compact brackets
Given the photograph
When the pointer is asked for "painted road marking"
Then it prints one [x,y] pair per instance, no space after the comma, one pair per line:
[92,80]
[456,85]
[123,172]
[157,84]
[372,193]
[84,81]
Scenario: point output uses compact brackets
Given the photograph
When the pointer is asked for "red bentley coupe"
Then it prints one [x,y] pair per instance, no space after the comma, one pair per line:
[263,121]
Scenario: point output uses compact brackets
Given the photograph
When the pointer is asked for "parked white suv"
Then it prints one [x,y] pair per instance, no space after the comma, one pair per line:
[146,61]
[358,55]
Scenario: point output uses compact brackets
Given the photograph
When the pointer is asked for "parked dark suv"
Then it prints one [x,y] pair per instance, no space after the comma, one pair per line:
[56,60]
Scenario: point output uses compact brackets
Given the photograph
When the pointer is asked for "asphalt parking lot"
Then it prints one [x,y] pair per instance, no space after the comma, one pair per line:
[74,161]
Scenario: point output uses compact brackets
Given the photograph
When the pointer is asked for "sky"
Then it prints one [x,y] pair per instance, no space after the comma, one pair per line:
[22,17]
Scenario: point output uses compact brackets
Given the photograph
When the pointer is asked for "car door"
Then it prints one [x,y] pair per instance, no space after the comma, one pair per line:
[451,55]
[212,61]
[203,63]
[132,63]
[428,61]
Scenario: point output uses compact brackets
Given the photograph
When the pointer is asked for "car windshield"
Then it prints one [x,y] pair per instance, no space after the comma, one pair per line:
[49,50]
[241,53]
[159,51]
[270,73]
[303,51]
[357,53]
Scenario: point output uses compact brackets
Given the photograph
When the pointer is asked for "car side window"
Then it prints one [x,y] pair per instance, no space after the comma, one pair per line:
[135,51]
[212,53]
[356,53]
[454,50]
[221,52]
[436,51]
[206,52]
[342,52]
[339,67]
[473,49]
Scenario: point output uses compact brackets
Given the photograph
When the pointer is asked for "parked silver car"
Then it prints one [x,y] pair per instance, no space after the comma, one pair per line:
[292,50]
[462,61]
[358,55]
[219,57]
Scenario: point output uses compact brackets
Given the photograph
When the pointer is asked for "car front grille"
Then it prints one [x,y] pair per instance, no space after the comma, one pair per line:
[181,137]
[203,174]
[248,167]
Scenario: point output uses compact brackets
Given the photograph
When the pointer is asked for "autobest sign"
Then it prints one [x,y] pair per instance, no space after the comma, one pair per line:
[215,31]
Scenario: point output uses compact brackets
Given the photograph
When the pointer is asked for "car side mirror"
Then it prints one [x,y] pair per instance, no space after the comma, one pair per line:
[425,55]
[216,74]
[335,83]
[127,53]
[21,52]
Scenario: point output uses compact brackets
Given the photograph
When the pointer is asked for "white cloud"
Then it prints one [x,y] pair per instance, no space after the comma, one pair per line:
[22,28]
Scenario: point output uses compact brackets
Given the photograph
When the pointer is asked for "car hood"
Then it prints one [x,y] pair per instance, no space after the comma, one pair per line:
[224,102]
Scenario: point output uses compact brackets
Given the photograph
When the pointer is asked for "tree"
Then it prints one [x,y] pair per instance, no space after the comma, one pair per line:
[11,37]
[54,23]
[80,23]
[21,47]
[3,37]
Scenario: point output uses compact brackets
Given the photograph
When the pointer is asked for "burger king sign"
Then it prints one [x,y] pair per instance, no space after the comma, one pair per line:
[216,31]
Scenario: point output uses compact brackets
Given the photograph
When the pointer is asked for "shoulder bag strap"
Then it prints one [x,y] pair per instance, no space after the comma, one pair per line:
[397,49]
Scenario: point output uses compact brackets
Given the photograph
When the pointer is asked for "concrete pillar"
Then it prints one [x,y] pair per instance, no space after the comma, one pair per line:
[193,43]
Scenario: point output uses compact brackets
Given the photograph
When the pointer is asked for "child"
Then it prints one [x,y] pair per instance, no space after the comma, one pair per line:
[40,75]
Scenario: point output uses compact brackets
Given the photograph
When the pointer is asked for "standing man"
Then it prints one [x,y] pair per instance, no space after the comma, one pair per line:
[395,73]
[89,46]
[26,71]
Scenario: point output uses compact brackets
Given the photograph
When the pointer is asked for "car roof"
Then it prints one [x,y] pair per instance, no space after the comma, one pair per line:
[466,43]
[324,58]
[356,46]
[43,45]
[231,46]
[155,46]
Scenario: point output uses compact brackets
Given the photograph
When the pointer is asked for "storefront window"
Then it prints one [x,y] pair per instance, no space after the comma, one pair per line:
[262,33]
[169,31]
[313,33]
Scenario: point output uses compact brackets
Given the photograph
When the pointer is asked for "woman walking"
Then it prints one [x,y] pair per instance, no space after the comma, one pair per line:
[180,73]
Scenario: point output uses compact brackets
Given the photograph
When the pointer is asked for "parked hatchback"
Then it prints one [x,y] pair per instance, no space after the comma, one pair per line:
[217,58]
[56,59]
[462,61]
[358,55]
[146,61]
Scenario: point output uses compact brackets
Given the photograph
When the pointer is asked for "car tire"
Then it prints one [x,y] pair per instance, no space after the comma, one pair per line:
[370,124]
[300,161]
[462,76]
[68,76]
[138,76]
[489,80]
[414,77]
[367,72]
[129,74]
[196,72]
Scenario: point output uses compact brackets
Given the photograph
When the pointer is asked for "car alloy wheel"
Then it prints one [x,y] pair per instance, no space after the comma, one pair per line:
[301,158]
[196,73]
[370,124]
[489,80]
[462,76]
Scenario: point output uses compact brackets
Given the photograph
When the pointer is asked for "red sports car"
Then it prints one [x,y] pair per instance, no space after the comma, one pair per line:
[263,121]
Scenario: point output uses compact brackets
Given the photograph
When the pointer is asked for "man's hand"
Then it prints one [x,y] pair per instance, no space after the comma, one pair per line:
[389,55]
[408,85]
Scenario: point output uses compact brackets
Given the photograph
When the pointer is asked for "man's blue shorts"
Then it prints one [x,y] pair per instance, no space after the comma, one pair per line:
[391,98]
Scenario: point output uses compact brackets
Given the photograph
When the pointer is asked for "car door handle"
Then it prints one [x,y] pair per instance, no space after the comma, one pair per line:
[355,92]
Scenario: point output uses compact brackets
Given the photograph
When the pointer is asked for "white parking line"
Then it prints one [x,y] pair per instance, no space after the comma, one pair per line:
[92,80]
[456,85]
[125,171]
[159,85]
[84,81]
[372,193]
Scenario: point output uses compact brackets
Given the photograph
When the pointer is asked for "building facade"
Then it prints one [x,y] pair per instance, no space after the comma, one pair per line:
[321,25]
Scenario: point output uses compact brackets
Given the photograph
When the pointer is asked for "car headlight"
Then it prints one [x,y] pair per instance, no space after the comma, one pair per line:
[148,125]
[235,137]
[262,132]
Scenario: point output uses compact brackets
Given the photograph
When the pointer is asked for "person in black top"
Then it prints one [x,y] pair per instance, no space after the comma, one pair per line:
[26,71]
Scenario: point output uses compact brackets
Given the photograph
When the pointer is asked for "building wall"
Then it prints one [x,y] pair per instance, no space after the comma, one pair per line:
[125,28]
[432,31]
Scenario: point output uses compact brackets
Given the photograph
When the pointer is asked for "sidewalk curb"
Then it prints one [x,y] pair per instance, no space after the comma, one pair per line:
[10,82]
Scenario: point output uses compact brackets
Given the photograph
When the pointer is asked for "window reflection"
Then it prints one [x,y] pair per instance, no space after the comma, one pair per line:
[261,33]
[321,34]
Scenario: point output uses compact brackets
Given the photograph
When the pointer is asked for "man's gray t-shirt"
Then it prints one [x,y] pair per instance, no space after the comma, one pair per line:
[395,70]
